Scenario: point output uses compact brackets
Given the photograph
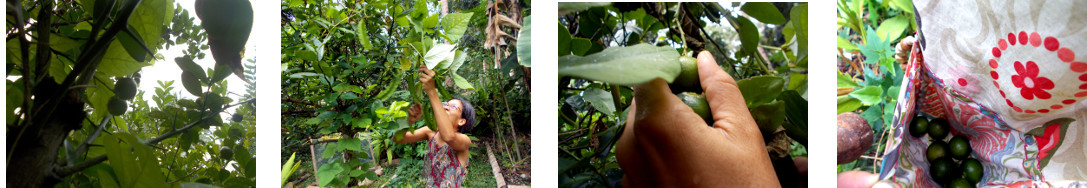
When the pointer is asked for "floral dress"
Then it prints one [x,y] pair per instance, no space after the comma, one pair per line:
[443,167]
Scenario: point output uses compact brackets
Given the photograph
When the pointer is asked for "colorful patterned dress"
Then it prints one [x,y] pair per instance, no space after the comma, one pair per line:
[443,168]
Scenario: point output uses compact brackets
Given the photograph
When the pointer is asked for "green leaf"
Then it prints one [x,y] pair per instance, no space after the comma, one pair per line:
[769,116]
[455,25]
[847,104]
[430,21]
[868,95]
[564,40]
[749,34]
[845,44]
[461,82]
[876,49]
[197,185]
[287,170]
[327,172]
[353,144]
[760,89]
[580,46]
[440,53]
[799,19]
[846,81]
[764,12]
[624,65]
[568,7]
[524,43]
[600,99]
[892,28]
[191,83]
[133,44]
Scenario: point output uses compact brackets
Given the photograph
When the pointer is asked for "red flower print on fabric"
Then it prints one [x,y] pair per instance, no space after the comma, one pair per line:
[1030,83]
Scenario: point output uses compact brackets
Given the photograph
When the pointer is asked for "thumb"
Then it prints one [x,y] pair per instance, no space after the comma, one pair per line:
[856,179]
[726,102]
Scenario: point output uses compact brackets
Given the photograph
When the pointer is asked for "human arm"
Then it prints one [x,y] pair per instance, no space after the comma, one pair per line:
[443,122]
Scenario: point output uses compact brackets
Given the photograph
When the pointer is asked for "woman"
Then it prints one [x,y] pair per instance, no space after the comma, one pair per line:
[447,156]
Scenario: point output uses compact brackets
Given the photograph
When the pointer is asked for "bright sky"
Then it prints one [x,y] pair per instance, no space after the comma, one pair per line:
[166,69]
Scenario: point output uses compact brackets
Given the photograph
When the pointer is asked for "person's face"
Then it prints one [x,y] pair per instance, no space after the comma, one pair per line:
[454,108]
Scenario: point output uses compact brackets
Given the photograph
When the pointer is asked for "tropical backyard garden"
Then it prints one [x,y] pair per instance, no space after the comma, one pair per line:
[350,74]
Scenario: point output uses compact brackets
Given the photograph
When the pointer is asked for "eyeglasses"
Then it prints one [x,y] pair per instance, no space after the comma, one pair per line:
[451,105]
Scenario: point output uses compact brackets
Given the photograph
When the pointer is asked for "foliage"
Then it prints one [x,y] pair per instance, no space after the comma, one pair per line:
[350,75]
[868,78]
[605,48]
[66,56]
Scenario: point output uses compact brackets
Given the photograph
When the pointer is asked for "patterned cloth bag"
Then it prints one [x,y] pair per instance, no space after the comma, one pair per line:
[1008,75]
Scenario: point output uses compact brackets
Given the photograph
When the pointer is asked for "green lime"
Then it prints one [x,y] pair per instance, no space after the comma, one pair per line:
[972,170]
[236,117]
[919,126]
[943,170]
[960,183]
[226,153]
[236,132]
[960,147]
[937,149]
[938,129]
[698,104]
[117,106]
[687,81]
[125,88]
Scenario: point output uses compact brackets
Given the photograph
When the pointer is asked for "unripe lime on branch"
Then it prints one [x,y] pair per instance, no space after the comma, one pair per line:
[125,88]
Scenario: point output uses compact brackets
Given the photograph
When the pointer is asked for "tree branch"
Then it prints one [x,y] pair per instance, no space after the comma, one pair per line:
[72,169]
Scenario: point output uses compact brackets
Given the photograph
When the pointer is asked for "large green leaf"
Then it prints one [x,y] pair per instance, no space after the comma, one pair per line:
[461,82]
[327,172]
[455,24]
[749,34]
[568,7]
[868,95]
[440,53]
[353,144]
[760,89]
[624,65]
[600,99]
[764,12]
[524,43]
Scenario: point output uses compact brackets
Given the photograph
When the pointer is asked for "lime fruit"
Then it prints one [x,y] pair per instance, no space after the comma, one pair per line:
[960,147]
[117,106]
[687,81]
[236,117]
[226,153]
[972,170]
[919,126]
[938,129]
[943,170]
[125,88]
[937,149]
[960,183]
[698,104]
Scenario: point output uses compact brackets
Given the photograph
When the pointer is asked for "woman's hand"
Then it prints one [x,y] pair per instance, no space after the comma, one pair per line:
[666,144]
[426,76]
[414,113]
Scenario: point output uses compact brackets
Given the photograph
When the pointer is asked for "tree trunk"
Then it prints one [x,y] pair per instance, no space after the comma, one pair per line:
[33,148]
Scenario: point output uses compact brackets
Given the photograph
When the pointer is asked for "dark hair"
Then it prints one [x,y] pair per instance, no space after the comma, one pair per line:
[468,113]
